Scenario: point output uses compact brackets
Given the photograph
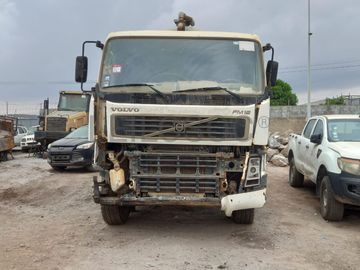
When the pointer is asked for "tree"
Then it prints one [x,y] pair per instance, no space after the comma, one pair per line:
[335,101]
[283,95]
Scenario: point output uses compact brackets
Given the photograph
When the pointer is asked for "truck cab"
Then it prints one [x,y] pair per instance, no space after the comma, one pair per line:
[71,113]
[180,118]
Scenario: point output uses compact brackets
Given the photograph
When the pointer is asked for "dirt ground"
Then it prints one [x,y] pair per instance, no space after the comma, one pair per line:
[49,221]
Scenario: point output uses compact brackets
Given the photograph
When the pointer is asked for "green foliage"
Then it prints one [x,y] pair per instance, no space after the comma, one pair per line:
[283,95]
[335,101]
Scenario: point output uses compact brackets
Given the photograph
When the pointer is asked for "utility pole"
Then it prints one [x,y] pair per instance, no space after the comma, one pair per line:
[308,114]
[7,108]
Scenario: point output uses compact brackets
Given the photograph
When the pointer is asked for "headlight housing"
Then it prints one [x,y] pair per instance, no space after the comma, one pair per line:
[49,146]
[85,145]
[348,165]
[253,172]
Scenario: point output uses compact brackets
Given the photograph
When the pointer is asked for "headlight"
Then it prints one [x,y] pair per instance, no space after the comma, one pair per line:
[85,145]
[348,165]
[49,146]
[253,172]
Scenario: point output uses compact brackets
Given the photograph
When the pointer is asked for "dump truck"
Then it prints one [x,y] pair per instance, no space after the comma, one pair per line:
[71,113]
[180,117]
[7,132]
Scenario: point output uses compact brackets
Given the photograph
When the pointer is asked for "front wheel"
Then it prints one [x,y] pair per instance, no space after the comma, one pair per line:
[245,216]
[296,179]
[330,208]
[114,214]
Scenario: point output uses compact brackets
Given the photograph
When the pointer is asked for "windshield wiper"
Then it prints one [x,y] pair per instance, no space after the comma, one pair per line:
[161,94]
[236,96]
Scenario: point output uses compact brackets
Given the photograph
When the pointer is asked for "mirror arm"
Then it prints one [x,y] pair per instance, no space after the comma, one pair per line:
[98,44]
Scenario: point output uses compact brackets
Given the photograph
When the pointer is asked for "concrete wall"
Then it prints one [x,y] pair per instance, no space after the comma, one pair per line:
[283,118]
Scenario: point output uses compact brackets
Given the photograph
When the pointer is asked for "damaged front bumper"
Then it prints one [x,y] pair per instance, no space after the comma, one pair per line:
[240,201]
[228,204]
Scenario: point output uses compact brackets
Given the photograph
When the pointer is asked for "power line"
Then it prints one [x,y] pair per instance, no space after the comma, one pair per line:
[319,69]
[39,82]
[322,64]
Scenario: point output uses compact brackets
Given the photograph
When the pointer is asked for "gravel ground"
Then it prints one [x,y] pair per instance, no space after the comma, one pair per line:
[49,221]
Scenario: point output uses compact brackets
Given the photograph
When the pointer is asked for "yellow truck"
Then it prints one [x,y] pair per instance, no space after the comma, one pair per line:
[7,132]
[71,113]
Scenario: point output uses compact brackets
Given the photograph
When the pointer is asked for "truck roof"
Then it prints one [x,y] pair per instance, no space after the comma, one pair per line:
[184,34]
[73,92]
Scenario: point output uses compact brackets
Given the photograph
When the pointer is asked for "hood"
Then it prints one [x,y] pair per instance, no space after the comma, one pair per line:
[62,113]
[347,149]
[68,142]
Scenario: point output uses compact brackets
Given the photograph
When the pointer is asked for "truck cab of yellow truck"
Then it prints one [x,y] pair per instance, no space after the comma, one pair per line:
[71,113]
[180,117]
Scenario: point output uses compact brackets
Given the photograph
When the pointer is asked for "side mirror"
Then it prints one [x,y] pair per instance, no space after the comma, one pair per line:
[317,138]
[81,69]
[271,72]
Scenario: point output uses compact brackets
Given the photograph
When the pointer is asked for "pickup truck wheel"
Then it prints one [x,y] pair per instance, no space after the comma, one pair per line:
[296,179]
[114,214]
[330,208]
[245,216]
[58,168]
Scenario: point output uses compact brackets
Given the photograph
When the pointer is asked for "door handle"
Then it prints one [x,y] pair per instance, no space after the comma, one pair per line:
[307,147]
[299,142]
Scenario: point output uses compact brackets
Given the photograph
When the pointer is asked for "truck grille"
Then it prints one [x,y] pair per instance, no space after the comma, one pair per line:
[180,127]
[56,123]
[175,173]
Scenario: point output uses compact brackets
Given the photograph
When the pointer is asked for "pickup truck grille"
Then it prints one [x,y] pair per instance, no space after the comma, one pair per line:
[180,127]
[56,124]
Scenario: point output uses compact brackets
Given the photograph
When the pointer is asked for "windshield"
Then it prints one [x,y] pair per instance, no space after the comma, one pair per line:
[71,102]
[234,64]
[80,133]
[346,130]
[31,130]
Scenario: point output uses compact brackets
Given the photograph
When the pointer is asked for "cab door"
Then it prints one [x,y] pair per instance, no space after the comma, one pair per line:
[313,151]
[302,141]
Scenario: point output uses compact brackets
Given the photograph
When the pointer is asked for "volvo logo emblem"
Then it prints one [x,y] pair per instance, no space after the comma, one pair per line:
[179,127]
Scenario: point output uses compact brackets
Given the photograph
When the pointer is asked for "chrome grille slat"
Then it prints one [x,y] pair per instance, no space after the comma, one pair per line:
[190,127]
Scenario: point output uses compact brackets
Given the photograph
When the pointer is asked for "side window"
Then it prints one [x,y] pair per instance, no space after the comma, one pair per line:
[308,128]
[21,130]
[319,128]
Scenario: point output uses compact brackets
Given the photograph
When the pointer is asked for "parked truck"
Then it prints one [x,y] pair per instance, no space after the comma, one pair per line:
[327,153]
[8,126]
[180,118]
[71,113]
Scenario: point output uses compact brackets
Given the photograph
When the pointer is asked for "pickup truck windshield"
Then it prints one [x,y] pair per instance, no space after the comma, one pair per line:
[73,102]
[346,130]
[232,64]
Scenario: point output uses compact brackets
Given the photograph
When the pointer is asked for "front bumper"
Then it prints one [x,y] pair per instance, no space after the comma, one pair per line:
[49,136]
[346,187]
[73,158]
[228,204]
[247,200]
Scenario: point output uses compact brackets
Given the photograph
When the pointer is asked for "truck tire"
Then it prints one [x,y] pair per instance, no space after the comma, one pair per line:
[330,208]
[114,214]
[58,168]
[296,179]
[245,216]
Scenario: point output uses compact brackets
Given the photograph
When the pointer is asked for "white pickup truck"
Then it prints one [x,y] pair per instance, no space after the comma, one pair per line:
[328,153]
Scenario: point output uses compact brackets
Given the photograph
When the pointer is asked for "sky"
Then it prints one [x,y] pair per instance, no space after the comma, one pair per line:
[40,39]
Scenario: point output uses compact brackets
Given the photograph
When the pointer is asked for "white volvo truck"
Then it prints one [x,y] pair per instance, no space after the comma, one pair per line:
[180,118]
